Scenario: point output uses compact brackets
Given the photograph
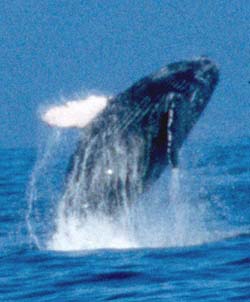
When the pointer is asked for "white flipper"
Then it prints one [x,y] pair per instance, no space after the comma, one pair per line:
[75,113]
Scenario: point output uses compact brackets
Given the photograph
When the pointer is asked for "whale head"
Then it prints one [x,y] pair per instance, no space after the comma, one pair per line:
[185,77]
[178,93]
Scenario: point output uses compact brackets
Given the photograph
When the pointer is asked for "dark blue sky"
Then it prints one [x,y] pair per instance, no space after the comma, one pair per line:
[51,49]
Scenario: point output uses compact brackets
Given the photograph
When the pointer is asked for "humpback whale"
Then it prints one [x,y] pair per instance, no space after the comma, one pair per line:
[127,146]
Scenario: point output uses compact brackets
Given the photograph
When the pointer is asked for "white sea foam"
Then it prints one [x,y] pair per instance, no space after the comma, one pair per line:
[167,216]
[95,232]
[76,113]
[163,217]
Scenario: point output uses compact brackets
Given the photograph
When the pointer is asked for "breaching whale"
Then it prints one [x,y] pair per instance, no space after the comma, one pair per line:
[125,148]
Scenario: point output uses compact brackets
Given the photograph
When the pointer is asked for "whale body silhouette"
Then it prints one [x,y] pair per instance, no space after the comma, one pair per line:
[140,132]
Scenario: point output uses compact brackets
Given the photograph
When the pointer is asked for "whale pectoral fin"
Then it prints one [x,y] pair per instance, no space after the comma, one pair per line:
[75,114]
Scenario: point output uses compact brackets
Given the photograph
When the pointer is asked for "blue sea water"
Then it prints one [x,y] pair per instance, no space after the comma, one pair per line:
[192,241]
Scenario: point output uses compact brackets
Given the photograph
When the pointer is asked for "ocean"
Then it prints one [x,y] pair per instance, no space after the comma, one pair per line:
[187,240]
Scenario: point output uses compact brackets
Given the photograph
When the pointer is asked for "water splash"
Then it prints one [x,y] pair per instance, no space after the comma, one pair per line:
[170,214]
[187,217]
[33,187]
[94,232]
[163,217]
[167,215]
